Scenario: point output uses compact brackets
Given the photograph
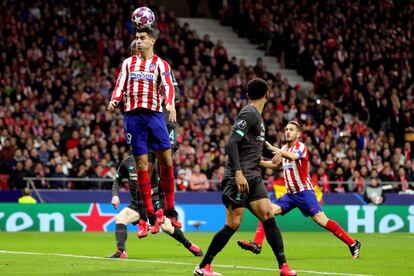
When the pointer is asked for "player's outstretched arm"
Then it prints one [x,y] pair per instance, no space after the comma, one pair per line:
[286,154]
[167,83]
[268,164]
[120,86]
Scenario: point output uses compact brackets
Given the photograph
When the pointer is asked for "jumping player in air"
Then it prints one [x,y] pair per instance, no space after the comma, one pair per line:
[300,193]
[144,82]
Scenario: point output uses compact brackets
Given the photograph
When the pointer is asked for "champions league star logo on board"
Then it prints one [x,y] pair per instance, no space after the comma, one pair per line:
[94,220]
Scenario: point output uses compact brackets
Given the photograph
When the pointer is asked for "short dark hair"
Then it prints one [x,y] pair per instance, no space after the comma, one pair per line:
[150,31]
[296,124]
[257,88]
[133,46]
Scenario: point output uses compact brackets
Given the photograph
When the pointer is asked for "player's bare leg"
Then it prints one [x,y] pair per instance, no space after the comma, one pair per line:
[255,246]
[262,209]
[168,184]
[220,239]
[332,226]
[125,217]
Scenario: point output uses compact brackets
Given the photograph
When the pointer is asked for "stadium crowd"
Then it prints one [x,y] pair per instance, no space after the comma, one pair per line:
[58,66]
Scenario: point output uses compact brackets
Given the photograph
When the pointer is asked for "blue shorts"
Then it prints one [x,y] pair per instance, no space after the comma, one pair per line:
[306,202]
[146,130]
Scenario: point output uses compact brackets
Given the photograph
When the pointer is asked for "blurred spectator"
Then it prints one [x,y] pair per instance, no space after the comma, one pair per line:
[373,193]
[198,180]
[26,198]
[181,181]
[15,180]
[356,183]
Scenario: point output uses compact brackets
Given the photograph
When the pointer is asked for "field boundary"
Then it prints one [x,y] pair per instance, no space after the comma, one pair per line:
[171,262]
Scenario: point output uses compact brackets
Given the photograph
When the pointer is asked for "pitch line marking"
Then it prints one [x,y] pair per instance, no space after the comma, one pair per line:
[171,262]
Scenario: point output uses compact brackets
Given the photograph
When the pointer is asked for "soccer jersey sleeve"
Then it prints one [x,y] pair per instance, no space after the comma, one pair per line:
[176,88]
[302,151]
[244,121]
[120,174]
[121,82]
[167,82]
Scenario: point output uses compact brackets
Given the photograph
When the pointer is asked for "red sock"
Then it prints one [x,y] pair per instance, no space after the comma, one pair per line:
[339,232]
[260,234]
[144,187]
[168,186]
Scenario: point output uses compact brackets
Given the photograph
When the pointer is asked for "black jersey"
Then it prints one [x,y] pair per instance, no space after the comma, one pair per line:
[249,125]
[127,170]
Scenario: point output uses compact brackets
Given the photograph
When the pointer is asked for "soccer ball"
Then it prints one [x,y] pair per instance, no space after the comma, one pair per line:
[143,17]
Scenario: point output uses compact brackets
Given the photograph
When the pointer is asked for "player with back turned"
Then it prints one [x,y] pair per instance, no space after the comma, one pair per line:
[242,185]
[144,82]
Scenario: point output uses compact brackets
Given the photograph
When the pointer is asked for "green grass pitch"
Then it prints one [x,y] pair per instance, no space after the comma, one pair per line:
[308,253]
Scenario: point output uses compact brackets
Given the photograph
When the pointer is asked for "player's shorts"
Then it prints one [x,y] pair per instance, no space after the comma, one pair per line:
[146,130]
[306,202]
[231,196]
[173,141]
[157,201]
[139,208]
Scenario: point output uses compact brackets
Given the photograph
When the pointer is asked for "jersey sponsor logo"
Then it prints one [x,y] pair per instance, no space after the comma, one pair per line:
[141,76]
[262,133]
[288,167]
[241,124]
[152,67]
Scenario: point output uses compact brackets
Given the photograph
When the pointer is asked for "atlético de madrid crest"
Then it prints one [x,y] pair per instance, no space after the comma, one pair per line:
[152,67]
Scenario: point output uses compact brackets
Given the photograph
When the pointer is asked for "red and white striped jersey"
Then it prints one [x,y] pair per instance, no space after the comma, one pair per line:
[296,173]
[140,81]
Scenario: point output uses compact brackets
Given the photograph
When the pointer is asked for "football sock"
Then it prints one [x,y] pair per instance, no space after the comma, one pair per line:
[260,234]
[144,186]
[274,238]
[179,236]
[120,236]
[337,230]
[218,242]
[168,186]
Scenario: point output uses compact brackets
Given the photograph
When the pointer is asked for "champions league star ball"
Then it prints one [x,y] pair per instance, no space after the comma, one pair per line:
[143,17]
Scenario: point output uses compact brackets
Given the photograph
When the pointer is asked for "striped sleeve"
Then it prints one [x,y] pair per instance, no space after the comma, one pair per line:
[167,82]
[301,151]
[121,82]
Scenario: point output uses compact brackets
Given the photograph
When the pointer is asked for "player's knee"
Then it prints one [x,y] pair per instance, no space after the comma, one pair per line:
[320,219]
[234,223]
[268,215]
[276,210]
[142,165]
[166,163]
[167,227]
[120,219]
